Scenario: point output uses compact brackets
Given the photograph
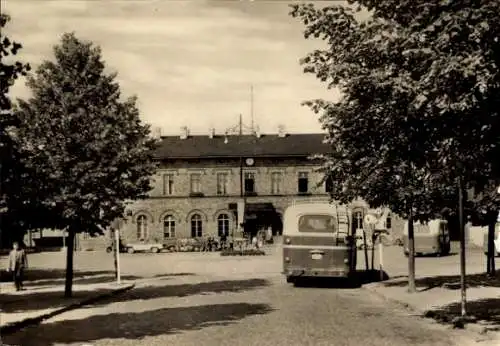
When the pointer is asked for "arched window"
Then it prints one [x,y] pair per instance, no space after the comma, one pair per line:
[169,227]
[196,226]
[142,227]
[223,224]
[357,221]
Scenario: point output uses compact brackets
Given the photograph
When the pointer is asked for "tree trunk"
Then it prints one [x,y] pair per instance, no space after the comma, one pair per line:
[411,252]
[116,248]
[68,286]
[490,268]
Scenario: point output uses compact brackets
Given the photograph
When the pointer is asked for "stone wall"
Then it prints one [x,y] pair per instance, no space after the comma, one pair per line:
[182,209]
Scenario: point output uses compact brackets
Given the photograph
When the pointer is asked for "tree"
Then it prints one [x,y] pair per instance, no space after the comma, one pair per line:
[377,138]
[419,82]
[9,72]
[460,42]
[87,148]
[10,169]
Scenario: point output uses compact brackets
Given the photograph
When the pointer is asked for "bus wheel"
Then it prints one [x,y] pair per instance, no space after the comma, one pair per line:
[353,280]
[298,282]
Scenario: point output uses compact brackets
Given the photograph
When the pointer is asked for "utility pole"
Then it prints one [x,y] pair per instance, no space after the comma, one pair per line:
[411,250]
[411,231]
[240,133]
[117,254]
[242,195]
[463,287]
[238,129]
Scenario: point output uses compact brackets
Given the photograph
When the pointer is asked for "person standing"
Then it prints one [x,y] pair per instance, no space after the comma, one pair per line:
[223,241]
[17,263]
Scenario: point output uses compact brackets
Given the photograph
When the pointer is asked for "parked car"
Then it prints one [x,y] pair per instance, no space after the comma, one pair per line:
[170,244]
[432,237]
[110,248]
[144,247]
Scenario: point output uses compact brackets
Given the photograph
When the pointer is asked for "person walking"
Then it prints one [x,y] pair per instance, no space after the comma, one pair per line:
[17,263]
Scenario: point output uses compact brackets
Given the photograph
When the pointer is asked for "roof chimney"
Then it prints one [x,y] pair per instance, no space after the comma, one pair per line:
[156,132]
[257,132]
[211,134]
[281,131]
[184,132]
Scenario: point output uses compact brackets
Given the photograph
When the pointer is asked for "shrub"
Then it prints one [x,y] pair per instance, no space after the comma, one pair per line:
[249,252]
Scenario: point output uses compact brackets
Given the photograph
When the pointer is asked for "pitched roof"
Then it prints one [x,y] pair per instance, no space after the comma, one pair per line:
[244,145]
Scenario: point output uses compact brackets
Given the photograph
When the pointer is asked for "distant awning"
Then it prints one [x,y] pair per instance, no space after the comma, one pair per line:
[253,210]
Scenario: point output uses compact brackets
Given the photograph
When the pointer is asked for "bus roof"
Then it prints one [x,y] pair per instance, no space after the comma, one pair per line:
[301,208]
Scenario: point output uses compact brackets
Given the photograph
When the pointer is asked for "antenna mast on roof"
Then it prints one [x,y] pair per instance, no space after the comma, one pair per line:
[241,124]
[251,109]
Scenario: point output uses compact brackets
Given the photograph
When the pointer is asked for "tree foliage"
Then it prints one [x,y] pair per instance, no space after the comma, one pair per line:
[11,200]
[419,106]
[9,71]
[88,151]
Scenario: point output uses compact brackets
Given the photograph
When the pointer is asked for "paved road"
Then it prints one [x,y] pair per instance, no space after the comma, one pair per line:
[143,264]
[229,301]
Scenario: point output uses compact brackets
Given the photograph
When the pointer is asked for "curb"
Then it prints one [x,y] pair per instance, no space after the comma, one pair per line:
[372,287]
[16,326]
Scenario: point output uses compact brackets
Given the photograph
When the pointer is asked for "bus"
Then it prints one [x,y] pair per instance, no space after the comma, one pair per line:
[317,242]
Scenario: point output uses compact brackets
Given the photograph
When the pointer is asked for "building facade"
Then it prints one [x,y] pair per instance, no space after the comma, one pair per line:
[223,184]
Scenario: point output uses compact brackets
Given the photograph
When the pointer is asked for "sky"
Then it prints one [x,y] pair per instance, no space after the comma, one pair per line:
[190,63]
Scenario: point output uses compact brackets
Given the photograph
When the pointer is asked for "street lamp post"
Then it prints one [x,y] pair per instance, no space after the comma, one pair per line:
[238,129]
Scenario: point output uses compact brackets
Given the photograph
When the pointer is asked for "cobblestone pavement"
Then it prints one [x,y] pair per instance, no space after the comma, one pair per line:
[236,301]
[208,311]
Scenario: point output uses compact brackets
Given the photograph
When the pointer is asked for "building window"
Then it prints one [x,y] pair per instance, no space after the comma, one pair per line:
[357,221]
[222,183]
[169,227]
[276,183]
[223,224]
[196,226]
[168,184]
[329,185]
[195,182]
[142,227]
[303,182]
[249,182]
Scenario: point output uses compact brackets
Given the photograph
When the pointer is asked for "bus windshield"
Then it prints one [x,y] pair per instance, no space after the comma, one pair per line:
[317,223]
